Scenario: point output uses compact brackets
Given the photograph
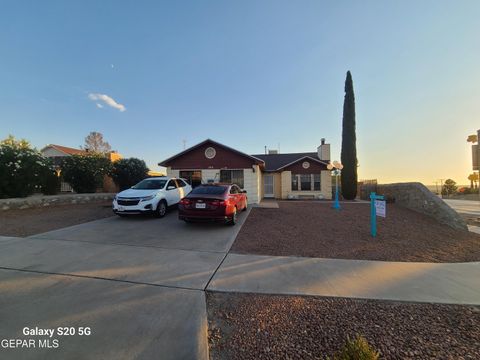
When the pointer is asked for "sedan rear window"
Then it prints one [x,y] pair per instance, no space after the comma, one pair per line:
[150,184]
[211,190]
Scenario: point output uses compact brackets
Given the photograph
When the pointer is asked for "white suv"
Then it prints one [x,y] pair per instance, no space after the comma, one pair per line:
[151,195]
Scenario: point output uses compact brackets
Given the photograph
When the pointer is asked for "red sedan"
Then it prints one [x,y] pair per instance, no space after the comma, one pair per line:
[218,202]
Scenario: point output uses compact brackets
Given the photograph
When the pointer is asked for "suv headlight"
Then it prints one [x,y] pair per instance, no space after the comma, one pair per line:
[147,198]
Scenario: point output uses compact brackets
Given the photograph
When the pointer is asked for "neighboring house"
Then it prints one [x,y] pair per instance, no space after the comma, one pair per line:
[57,153]
[272,175]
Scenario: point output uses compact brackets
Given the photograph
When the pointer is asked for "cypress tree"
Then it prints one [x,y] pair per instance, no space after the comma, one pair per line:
[349,143]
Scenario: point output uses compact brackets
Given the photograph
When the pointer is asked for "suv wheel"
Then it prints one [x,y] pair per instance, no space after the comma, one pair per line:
[161,209]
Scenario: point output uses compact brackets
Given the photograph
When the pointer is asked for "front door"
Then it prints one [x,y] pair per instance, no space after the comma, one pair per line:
[268,186]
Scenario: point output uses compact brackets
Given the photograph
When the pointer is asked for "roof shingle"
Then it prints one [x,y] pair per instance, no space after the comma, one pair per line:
[276,161]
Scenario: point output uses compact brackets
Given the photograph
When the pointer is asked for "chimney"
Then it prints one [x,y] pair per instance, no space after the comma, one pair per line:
[323,151]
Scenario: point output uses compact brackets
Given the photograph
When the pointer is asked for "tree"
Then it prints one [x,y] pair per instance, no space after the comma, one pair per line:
[94,143]
[85,173]
[23,169]
[349,143]
[472,138]
[473,180]
[127,172]
[449,187]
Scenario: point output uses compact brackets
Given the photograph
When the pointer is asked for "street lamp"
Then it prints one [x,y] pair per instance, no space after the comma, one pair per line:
[338,169]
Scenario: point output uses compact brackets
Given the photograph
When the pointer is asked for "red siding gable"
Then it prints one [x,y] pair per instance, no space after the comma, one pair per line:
[314,168]
[224,158]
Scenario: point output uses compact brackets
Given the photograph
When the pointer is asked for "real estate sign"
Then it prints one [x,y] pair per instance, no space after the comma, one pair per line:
[381,208]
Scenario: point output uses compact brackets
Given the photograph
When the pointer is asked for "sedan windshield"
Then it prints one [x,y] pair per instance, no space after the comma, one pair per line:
[150,184]
[211,190]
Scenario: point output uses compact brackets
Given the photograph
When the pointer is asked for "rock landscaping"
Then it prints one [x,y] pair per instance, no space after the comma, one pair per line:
[250,326]
[314,229]
[26,222]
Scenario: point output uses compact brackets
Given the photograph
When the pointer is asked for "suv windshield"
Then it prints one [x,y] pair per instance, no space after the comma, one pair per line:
[211,190]
[150,184]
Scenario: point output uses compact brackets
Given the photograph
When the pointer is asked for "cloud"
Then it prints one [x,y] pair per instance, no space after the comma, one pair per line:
[107,100]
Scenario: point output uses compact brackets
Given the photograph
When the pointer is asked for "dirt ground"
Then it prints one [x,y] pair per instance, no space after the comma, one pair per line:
[28,222]
[250,326]
[314,229]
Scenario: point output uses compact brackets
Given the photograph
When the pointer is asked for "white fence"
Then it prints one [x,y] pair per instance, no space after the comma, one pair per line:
[65,187]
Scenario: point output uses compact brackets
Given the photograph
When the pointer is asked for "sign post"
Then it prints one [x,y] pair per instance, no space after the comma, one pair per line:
[377,207]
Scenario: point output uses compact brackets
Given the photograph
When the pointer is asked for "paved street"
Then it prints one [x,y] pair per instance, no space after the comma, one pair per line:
[465,206]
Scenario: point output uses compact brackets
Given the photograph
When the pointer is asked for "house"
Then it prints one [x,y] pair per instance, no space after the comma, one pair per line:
[270,175]
[58,152]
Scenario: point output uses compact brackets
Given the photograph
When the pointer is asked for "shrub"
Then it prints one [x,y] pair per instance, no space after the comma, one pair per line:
[449,188]
[357,349]
[85,173]
[128,172]
[21,168]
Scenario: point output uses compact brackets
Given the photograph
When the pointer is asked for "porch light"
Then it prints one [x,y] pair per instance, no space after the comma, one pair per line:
[337,167]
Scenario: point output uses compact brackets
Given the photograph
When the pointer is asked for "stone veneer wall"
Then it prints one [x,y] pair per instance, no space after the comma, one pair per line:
[417,197]
[39,201]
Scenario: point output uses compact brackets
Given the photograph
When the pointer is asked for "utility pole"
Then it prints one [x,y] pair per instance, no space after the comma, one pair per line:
[441,187]
[436,186]
[184,144]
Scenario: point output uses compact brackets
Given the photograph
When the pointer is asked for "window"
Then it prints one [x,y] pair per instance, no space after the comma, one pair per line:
[306,182]
[316,182]
[210,190]
[150,184]
[172,183]
[193,177]
[232,177]
[181,183]
[294,182]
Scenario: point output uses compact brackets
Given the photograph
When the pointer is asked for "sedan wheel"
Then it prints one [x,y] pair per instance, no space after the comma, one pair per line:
[161,209]
[246,205]
[233,220]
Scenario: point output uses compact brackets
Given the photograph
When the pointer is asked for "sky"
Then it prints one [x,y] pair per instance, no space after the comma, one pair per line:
[150,74]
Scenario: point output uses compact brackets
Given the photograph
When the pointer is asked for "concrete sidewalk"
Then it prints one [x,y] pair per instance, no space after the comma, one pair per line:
[127,321]
[457,283]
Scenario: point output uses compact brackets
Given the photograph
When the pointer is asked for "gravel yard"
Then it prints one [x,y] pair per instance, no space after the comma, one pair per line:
[28,222]
[249,326]
[314,229]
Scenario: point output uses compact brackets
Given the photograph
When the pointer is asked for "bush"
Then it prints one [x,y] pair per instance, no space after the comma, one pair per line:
[357,349]
[85,173]
[449,187]
[128,172]
[21,168]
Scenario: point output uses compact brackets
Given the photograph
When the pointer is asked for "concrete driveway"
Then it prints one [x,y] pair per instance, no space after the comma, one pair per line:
[137,282]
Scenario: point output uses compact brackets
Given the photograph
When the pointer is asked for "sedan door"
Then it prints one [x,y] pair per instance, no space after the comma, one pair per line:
[235,196]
